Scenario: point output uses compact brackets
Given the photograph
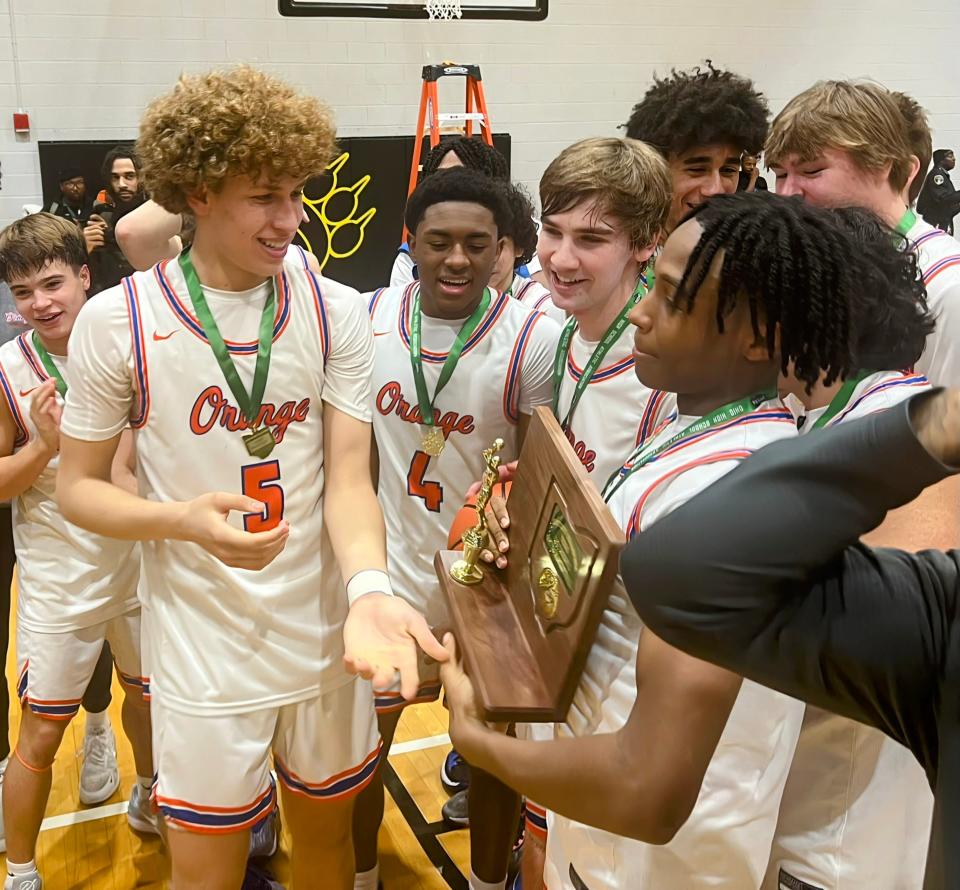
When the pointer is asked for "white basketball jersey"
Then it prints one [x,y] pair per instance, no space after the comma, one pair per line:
[533,294]
[726,841]
[67,578]
[857,807]
[227,640]
[616,410]
[938,256]
[504,370]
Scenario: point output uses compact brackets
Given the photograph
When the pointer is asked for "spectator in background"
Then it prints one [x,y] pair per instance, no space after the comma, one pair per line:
[73,203]
[124,192]
[750,178]
[939,201]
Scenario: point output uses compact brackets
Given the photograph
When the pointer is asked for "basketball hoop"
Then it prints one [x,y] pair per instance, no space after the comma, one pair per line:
[443,9]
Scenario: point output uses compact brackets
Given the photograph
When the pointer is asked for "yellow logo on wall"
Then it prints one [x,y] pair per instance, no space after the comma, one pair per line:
[338,212]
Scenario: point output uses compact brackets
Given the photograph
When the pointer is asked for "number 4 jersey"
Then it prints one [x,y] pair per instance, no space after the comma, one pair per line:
[504,371]
[229,640]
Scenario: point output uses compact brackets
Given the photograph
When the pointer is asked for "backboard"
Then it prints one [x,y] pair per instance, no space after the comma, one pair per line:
[531,10]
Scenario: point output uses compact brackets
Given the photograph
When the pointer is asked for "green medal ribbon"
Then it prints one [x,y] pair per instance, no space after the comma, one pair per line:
[606,343]
[839,401]
[906,221]
[49,366]
[453,356]
[643,454]
[260,442]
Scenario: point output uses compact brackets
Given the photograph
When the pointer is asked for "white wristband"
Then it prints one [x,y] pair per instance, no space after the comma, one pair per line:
[368,581]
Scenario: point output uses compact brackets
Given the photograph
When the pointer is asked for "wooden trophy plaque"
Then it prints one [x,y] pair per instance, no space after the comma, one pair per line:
[524,632]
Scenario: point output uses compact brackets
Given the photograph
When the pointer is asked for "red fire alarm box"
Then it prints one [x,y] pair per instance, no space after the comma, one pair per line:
[21,122]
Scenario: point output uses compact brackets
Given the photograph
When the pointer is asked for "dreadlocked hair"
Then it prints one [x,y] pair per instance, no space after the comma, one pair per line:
[891,316]
[473,153]
[797,266]
[522,228]
[704,106]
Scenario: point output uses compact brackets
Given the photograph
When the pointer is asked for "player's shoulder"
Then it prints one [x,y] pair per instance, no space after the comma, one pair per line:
[933,246]
[11,351]
[885,389]
[520,312]
[111,305]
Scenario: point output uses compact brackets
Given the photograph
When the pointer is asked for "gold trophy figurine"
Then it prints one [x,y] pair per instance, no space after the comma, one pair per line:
[475,539]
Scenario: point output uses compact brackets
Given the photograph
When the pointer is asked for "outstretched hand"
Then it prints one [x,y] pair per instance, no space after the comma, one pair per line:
[381,636]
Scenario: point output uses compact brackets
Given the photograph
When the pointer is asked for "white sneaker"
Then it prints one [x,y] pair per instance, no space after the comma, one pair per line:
[32,881]
[140,812]
[99,776]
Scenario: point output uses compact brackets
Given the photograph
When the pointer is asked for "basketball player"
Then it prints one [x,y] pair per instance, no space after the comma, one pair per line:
[845,143]
[701,121]
[880,796]
[75,589]
[683,739]
[455,151]
[842,143]
[256,501]
[605,203]
[474,363]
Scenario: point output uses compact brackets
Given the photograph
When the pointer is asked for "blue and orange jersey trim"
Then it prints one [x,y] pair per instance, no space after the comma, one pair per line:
[141,411]
[320,308]
[941,265]
[386,702]
[31,358]
[928,236]
[216,820]
[511,389]
[52,709]
[535,817]
[339,787]
[904,381]
[141,684]
[650,420]
[192,323]
[23,434]
[762,415]
[375,301]
[495,311]
[737,454]
[607,373]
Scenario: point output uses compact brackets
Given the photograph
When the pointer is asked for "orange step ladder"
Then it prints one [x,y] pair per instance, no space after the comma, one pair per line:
[475,112]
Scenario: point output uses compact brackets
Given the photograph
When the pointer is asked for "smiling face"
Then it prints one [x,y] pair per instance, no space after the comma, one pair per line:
[698,174]
[50,299]
[456,247]
[246,227]
[833,179]
[681,350]
[588,258]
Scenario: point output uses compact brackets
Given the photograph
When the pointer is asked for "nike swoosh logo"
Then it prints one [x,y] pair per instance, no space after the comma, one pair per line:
[23,394]
[380,333]
[159,337]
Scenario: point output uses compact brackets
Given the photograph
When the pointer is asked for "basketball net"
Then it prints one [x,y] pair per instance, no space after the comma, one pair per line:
[443,9]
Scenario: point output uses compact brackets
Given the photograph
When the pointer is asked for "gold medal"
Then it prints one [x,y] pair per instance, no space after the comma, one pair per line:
[432,441]
[260,442]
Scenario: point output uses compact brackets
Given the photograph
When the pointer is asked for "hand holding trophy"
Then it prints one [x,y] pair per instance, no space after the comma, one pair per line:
[525,631]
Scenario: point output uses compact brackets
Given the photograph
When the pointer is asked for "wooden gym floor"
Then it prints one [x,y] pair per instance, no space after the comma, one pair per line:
[91,848]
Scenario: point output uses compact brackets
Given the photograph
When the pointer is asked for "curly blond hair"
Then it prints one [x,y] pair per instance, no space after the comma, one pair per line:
[228,123]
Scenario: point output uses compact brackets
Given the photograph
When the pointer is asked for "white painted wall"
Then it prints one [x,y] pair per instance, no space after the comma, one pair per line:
[88,66]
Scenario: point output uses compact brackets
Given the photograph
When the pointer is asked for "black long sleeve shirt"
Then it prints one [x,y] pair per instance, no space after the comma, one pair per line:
[762,573]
